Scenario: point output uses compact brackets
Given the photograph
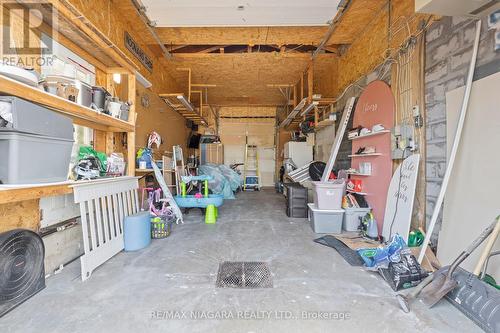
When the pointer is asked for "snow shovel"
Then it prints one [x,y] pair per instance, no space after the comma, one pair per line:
[443,281]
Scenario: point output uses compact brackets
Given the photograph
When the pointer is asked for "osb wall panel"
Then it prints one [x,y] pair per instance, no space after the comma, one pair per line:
[24,215]
[378,37]
[355,19]
[243,78]
[325,76]
[160,118]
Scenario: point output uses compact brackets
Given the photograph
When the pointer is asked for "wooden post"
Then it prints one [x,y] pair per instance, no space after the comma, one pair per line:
[295,95]
[310,82]
[302,86]
[131,119]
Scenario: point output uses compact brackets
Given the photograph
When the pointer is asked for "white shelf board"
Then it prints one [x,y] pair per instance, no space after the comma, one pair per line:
[365,155]
[360,193]
[359,174]
[371,134]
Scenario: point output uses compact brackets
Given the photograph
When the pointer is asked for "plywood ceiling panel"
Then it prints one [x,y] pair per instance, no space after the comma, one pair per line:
[243,78]
[223,13]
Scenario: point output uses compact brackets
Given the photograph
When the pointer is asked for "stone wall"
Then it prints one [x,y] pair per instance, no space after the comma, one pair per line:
[448,52]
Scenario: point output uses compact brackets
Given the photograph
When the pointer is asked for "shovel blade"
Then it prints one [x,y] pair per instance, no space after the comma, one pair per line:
[437,289]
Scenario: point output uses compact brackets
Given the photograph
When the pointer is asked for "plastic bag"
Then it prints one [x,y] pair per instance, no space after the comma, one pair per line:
[115,165]
[380,257]
[87,151]
[146,155]
[221,184]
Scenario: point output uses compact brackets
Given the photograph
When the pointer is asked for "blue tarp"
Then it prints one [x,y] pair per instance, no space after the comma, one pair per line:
[225,182]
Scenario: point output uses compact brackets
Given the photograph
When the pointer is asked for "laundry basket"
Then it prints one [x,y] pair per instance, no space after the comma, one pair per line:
[161,227]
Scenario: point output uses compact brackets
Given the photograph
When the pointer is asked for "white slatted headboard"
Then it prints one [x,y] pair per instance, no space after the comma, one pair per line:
[103,206]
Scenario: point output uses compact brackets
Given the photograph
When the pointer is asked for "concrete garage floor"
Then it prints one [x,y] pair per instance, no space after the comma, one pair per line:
[135,292]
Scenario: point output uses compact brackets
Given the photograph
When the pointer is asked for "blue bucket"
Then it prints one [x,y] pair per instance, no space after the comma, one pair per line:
[137,231]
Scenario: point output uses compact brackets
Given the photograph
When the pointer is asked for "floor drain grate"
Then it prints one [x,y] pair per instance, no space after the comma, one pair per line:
[244,274]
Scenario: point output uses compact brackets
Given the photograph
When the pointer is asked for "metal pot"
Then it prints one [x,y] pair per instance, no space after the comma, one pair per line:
[125,108]
[99,97]
[57,84]
[114,108]
[85,94]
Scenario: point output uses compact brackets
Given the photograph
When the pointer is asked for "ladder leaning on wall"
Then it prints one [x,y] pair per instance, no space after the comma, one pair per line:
[251,176]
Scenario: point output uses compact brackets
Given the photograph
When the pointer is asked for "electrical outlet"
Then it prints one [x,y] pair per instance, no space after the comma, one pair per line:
[401,140]
[417,117]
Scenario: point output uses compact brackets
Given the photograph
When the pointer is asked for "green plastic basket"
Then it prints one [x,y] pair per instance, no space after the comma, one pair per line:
[160,228]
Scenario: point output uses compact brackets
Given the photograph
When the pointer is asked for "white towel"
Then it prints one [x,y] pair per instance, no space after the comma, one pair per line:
[6,111]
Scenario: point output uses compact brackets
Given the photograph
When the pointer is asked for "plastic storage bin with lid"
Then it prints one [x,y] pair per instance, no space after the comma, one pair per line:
[35,143]
[328,195]
[352,218]
[31,159]
[325,221]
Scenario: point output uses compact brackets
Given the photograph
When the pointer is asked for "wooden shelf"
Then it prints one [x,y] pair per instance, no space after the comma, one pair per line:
[16,193]
[81,115]
[144,170]
[13,194]
[371,134]
[365,155]
[172,101]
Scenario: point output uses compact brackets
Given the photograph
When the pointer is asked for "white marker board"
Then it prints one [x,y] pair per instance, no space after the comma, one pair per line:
[402,186]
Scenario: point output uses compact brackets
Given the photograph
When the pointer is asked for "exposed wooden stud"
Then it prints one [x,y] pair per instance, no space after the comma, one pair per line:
[301,87]
[294,95]
[310,82]
[131,119]
[203,85]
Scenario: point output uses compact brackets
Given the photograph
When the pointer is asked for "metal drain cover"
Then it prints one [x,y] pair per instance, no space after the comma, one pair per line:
[244,274]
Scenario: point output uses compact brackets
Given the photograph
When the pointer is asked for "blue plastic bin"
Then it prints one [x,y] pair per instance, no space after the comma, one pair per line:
[137,231]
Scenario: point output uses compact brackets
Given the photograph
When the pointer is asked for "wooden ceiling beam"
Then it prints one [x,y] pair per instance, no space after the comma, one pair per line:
[307,35]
